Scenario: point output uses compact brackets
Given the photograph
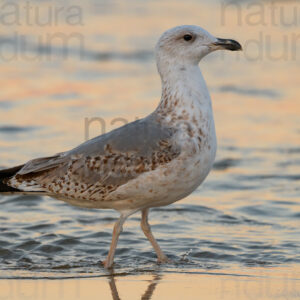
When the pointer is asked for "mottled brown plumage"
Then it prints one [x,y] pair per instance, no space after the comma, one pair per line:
[98,167]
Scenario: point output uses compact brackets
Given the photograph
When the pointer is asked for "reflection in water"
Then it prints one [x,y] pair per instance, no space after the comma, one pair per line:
[113,288]
[153,283]
[147,294]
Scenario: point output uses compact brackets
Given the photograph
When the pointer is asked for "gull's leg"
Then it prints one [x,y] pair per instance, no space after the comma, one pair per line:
[161,257]
[115,237]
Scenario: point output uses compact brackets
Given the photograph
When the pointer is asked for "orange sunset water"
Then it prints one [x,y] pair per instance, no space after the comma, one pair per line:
[72,70]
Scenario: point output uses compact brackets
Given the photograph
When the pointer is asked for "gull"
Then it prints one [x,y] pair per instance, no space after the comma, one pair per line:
[152,162]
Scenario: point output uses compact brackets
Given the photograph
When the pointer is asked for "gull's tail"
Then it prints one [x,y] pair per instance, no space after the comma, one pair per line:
[24,178]
[4,176]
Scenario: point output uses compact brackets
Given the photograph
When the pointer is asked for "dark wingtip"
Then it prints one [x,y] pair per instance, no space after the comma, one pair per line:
[6,174]
[4,188]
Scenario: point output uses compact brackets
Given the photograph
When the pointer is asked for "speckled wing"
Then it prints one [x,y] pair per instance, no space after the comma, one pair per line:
[99,166]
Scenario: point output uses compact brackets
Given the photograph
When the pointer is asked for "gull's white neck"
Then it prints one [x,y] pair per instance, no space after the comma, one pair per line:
[184,94]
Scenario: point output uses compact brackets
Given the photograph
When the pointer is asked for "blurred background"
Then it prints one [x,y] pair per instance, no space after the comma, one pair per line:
[72,70]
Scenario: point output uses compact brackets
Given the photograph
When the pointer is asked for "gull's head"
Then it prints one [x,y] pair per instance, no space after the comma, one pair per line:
[188,44]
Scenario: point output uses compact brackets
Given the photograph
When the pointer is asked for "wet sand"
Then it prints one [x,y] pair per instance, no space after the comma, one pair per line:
[253,284]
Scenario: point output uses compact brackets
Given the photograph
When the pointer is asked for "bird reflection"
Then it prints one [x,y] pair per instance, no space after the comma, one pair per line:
[147,294]
[113,288]
[151,287]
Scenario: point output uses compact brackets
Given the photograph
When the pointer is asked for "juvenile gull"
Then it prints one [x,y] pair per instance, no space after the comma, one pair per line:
[151,162]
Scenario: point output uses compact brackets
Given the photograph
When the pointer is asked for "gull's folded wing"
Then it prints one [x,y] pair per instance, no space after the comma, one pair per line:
[100,165]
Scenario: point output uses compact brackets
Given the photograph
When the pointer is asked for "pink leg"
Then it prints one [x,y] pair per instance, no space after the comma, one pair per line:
[161,257]
[116,233]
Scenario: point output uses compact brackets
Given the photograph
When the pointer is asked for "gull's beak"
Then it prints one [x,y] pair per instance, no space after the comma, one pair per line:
[227,44]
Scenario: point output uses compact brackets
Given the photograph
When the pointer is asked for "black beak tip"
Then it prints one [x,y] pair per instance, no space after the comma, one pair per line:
[231,45]
[234,46]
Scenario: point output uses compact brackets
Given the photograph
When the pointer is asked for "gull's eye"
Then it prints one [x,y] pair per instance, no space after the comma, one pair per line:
[187,37]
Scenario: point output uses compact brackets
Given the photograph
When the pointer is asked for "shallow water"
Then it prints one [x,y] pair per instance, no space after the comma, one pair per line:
[245,215]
